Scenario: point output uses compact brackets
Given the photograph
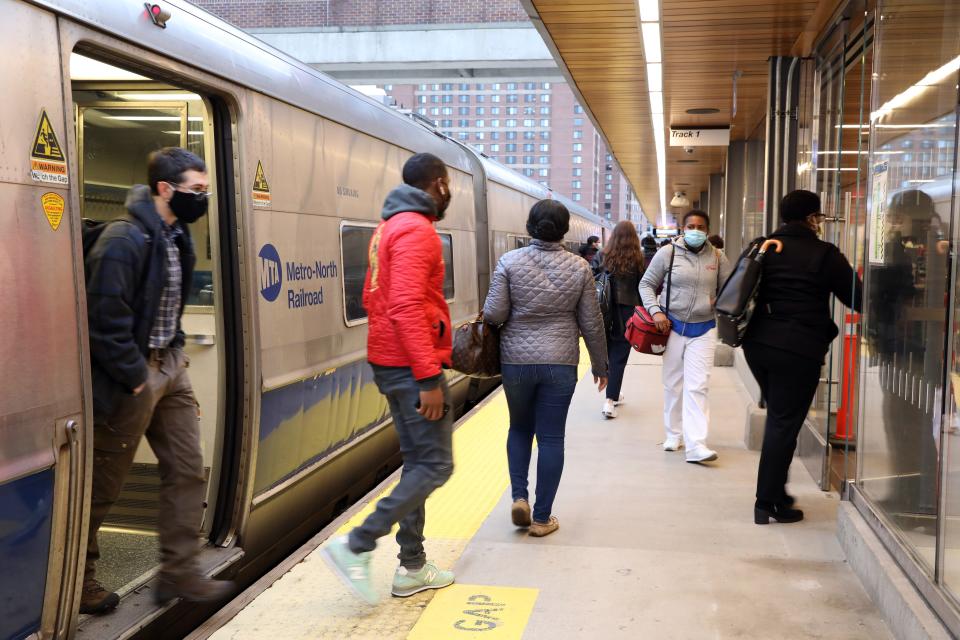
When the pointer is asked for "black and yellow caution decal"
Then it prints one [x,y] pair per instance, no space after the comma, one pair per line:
[47,162]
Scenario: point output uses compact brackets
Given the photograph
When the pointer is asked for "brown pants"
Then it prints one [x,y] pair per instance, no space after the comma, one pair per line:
[166,411]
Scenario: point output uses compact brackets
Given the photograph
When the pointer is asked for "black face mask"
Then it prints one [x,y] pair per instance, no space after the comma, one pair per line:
[188,207]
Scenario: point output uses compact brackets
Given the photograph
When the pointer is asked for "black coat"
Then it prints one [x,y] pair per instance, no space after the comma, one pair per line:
[793,304]
[625,291]
[126,271]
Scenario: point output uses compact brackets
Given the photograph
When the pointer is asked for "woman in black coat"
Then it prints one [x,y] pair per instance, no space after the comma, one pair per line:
[788,338]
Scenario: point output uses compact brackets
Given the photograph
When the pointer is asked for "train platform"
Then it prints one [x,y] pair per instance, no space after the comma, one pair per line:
[649,546]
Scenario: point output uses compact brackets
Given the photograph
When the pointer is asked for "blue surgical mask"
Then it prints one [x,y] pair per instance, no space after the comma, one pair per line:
[694,238]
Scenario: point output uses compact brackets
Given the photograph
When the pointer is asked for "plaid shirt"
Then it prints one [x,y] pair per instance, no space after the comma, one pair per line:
[165,324]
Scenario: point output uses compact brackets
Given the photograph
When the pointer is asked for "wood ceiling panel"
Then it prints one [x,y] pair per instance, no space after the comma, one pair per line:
[704,43]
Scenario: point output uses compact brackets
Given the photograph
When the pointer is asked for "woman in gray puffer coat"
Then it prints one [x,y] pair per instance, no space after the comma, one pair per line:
[545,299]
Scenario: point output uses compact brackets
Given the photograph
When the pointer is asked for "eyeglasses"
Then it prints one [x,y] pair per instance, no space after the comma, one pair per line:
[199,195]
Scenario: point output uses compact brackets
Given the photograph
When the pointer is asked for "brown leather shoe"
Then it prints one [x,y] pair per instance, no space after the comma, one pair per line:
[520,513]
[540,529]
[95,599]
[194,588]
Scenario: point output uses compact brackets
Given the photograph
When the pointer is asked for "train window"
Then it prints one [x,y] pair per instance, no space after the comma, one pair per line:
[354,243]
[446,240]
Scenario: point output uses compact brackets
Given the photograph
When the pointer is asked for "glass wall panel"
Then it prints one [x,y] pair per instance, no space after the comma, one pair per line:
[913,132]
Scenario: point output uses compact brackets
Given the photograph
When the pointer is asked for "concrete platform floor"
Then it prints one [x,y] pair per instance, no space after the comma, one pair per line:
[649,546]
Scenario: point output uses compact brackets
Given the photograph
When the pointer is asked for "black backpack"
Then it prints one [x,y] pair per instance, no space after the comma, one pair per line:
[91,231]
[738,296]
[605,298]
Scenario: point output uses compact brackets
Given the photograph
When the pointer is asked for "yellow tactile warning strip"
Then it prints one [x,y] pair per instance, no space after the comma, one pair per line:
[309,602]
[469,611]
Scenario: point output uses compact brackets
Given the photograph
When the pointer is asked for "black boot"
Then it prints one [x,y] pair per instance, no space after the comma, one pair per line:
[763,511]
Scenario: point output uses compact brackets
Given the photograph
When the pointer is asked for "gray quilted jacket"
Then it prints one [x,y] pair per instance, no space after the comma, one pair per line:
[545,298]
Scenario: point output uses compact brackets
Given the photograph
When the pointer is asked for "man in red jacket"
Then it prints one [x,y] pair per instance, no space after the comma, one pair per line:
[408,346]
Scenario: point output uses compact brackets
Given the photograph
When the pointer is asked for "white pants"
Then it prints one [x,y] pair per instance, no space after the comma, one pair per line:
[687,363]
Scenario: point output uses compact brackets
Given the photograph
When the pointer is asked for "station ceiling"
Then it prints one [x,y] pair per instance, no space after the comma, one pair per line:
[705,44]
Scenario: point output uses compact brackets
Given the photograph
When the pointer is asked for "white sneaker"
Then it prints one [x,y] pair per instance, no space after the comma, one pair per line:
[609,409]
[672,443]
[620,401]
[703,454]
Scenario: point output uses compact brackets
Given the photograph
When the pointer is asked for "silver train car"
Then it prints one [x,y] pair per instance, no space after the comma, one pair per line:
[293,430]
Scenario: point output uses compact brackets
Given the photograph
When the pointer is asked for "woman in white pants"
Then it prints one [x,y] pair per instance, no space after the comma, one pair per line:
[690,270]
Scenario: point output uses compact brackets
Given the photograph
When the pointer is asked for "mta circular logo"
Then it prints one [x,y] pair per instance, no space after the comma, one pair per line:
[271,275]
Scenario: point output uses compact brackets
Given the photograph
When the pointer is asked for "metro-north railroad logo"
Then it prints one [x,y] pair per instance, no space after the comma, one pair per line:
[271,273]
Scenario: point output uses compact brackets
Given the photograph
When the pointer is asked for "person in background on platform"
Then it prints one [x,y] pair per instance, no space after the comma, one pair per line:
[788,338]
[590,251]
[624,262]
[408,347]
[649,245]
[698,272]
[138,274]
[716,241]
[544,298]
[664,242]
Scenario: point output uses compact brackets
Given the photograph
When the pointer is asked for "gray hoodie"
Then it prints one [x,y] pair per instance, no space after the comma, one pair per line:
[407,198]
[697,277]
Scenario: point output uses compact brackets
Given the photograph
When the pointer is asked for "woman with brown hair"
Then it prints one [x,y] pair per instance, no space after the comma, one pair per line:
[623,260]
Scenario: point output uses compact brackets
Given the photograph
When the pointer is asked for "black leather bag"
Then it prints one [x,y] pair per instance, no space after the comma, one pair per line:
[737,298]
[476,349]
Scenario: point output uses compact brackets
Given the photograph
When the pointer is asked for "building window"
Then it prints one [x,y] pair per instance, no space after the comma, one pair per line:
[511,135]
[529,135]
[578,122]
[422,111]
[464,87]
[494,135]
[528,146]
[578,146]
[434,99]
[576,184]
[608,196]
[421,99]
[544,148]
[511,86]
[512,111]
[510,148]
[609,177]
[463,124]
[529,111]
[447,99]
[544,123]
[422,87]
[495,87]
[544,111]
[494,147]
[478,147]
[494,123]
[609,157]
[494,98]
[529,86]
[577,108]
[529,123]
[606,205]
[481,98]
[544,160]
[577,159]
[447,86]
[527,159]
[479,135]
[529,97]
[608,187]
[446,124]
[577,172]
[463,97]
[464,111]
[447,111]
[544,97]
[544,173]
[479,87]
[480,123]
[481,111]
[511,123]
[494,111]
[577,197]
[512,98]
[545,85]
[511,159]
[544,135]
[463,135]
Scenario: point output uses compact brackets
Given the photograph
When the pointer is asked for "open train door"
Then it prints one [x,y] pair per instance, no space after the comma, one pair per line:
[43,451]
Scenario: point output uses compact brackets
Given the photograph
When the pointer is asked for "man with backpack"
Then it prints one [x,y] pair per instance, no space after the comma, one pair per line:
[138,272]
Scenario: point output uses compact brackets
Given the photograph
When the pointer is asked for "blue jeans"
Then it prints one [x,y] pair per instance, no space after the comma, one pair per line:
[538,396]
[427,450]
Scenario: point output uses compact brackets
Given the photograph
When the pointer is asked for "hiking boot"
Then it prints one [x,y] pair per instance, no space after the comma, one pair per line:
[352,568]
[609,409]
[406,582]
[540,529]
[520,513]
[95,599]
[672,443]
[192,588]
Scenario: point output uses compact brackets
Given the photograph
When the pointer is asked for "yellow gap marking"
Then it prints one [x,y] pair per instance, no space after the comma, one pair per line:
[473,611]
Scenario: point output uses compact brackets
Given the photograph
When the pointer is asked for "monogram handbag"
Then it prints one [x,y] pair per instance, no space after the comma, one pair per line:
[476,349]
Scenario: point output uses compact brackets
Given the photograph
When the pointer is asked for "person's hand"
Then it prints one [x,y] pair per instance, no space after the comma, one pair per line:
[431,404]
[600,381]
[137,391]
[662,322]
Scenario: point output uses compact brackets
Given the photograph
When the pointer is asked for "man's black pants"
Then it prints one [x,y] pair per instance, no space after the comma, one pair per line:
[788,382]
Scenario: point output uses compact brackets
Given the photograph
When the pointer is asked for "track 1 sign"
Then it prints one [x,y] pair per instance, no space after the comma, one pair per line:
[699,137]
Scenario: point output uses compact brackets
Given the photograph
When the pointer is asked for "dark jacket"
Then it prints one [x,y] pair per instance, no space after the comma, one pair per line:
[793,304]
[626,293]
[126,271]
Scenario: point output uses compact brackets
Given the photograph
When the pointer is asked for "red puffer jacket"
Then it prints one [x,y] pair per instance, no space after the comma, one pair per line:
[409,321]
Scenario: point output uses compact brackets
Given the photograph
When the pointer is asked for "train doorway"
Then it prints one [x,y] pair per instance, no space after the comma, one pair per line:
[120,117]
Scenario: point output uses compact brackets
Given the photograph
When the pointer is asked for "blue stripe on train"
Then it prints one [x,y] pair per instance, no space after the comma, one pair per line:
[26,510]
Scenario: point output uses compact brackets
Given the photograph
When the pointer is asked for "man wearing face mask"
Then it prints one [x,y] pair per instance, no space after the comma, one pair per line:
[788,338]
[138,274]
[408,347]
[690,271]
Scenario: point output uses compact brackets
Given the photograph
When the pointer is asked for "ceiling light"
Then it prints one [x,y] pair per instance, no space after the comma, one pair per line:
[84,68]
[649,10]
[702,111]
[651,41]
[159,96]
[933,78]
[655,76]
[656,102]
[680,200]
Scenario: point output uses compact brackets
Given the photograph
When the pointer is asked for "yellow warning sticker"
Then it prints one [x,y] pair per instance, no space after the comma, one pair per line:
[261,189]
[472,611]
[47,162]
[53,207]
